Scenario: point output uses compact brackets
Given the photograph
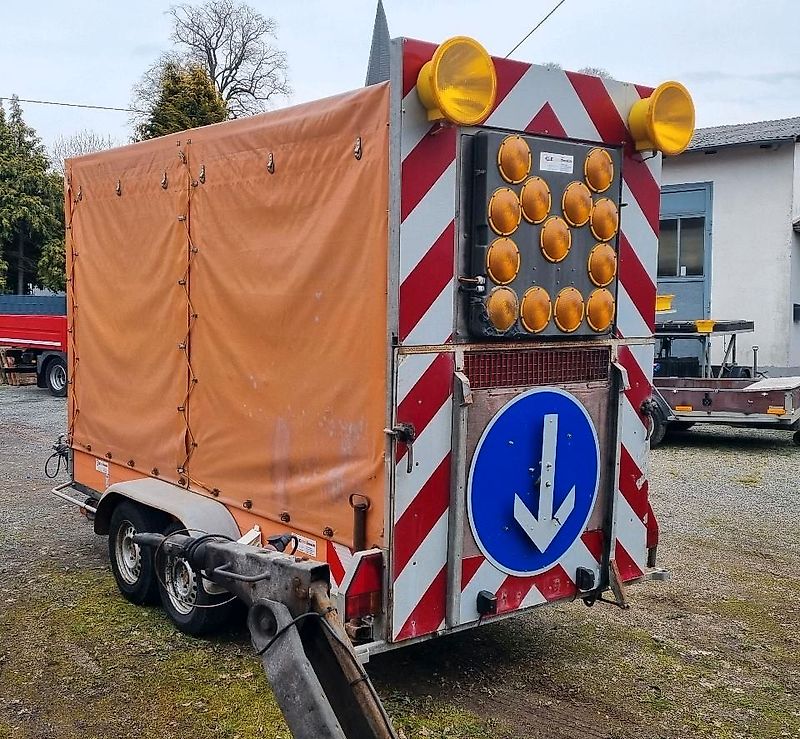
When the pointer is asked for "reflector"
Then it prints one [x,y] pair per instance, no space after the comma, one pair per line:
[599,169]
[604,220]
[602,264]
[535,310]
[600,309]
[576,203]
[569,309]
[459,83]
[514,159]
[555,239]
[535,199]
[664,121]
[502,307]
[504,211]
[502,261]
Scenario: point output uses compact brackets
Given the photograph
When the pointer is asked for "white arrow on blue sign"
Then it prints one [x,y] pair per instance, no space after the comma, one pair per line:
[533,480]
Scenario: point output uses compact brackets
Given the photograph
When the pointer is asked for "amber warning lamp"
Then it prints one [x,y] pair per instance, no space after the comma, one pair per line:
[664,121]
[459,83]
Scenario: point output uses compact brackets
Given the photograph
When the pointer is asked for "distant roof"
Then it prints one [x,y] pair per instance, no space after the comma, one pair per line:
[761,132]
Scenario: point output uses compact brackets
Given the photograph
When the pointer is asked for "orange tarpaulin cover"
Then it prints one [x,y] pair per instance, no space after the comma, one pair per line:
[284,308]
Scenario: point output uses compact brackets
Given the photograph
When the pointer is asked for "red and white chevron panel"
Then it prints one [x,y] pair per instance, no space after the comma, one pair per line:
[422,496]
[538,101]
[341,562]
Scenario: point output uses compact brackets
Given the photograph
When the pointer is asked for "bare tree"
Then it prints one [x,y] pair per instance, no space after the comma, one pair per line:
[596,72]
[233,42]
[82,142]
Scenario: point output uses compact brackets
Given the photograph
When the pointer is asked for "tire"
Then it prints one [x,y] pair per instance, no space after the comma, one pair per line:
[679,426]
[796,438]
[658,429]
[55,376]
[185,600]
[133,567]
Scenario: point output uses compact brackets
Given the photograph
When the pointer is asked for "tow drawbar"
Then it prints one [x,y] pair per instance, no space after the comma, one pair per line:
[318,681]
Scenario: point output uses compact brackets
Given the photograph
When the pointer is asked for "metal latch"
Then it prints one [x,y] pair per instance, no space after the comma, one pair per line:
[623,374]
[466,388]
[405,433]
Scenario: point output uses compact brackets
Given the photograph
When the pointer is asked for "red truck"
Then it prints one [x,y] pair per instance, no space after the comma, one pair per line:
[35,340]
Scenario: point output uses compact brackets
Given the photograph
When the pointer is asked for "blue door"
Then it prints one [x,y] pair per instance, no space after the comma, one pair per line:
[684,255]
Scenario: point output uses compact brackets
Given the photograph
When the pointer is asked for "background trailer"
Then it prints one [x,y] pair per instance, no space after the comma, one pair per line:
[405,326]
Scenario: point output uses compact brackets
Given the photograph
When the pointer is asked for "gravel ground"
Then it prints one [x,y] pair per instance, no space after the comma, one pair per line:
[714,652]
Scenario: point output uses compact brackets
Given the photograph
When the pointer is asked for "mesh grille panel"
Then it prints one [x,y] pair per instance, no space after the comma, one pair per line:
[518,368]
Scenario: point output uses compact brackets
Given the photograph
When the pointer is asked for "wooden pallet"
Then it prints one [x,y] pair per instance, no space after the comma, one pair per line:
[9,360]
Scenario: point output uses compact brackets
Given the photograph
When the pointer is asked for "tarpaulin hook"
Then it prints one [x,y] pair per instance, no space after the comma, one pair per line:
[271,163]
[357,151]
[202,175]
[118,189]
[164,180]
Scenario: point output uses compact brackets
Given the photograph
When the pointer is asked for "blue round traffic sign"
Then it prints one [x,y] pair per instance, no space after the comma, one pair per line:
[533,480]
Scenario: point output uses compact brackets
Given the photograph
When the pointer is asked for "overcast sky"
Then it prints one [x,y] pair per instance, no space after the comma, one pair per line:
[740,59]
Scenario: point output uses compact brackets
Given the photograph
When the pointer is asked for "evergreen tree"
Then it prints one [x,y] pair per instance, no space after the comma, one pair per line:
[186,98]
[31,208]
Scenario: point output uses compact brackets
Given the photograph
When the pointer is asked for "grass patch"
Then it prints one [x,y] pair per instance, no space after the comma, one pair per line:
[115,669]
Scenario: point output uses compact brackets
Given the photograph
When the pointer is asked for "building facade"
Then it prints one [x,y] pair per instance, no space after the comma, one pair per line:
[730,235]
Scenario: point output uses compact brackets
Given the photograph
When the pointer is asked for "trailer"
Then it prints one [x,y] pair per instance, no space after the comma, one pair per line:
[690,390]
[33,332]
[401,333]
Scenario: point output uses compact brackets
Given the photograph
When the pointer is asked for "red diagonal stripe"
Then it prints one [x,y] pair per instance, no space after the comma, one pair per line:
[594,542]
[429,611]
[424,165]
[628,569]
[469,566]
[335,564]
[427,396]
[637,281]
[426,281]
[509,72]
[546,122]
[640,387]
[629,476]
[613,130]
[421,515]
[415,54]
[644,188]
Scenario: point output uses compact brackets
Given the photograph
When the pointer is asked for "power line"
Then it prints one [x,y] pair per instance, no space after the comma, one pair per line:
[530,33]
[75,105]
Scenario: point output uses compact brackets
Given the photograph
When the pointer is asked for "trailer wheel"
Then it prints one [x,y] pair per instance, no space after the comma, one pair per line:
[658,428]
[55,377]
[796,438]
[193,610]
[133,567]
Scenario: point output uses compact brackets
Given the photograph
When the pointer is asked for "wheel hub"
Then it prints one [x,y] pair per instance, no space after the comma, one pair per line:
[128,556]
[181,584]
